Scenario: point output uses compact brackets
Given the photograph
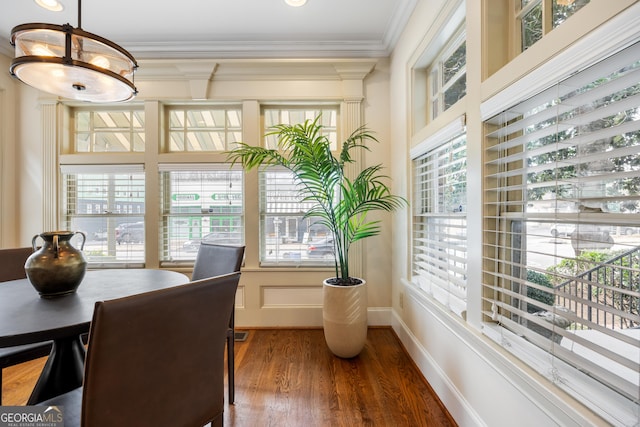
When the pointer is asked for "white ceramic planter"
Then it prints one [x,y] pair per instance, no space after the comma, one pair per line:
[344,315]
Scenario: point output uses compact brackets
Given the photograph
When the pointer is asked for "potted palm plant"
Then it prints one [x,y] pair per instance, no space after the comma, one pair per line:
[339,203]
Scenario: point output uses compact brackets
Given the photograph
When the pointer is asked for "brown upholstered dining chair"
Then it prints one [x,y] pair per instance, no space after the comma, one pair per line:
[155,359]
[12,268]
[213,260]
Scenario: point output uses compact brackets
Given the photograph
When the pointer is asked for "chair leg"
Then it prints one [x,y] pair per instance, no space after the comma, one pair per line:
[230,364]
[0,386]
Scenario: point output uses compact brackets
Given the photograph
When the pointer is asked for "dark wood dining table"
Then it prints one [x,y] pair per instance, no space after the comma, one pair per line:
[26,318]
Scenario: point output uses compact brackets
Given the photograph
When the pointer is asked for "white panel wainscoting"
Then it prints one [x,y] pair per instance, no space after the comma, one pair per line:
[290,306]
[289,296]
[240,299]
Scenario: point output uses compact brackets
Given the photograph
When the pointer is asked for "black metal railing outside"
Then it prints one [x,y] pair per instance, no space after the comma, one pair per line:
[608,294]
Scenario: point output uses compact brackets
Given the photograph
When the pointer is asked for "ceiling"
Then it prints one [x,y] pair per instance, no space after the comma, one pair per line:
[227,28]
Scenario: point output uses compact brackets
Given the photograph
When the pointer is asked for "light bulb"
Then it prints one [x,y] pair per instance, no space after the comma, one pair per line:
[52,5]
[100,61]
[295,3]
[41,50]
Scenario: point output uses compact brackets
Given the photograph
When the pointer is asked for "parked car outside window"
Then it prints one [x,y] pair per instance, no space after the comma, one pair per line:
[130,233]
[562,229]
[322,248]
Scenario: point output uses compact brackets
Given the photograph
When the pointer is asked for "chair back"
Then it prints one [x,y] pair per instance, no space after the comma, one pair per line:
[214,260]
[12,263]
[157,359]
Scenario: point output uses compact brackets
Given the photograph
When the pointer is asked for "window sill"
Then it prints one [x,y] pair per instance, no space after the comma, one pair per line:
[599,398]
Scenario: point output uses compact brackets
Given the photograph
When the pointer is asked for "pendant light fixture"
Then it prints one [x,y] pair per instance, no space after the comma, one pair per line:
[72,63]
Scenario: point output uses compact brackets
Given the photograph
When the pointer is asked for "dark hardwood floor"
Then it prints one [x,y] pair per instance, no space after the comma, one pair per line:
[288,377]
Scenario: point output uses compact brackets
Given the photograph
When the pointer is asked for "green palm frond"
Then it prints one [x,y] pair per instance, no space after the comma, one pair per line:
[338,203]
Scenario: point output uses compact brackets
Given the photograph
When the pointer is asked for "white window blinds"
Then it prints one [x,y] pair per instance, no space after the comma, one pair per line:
[440,218]
[199,202]
[562,230]
[107,203]
[287,237]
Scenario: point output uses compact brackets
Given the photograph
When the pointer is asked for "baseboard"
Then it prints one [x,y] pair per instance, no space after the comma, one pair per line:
[379,316]
[456,405]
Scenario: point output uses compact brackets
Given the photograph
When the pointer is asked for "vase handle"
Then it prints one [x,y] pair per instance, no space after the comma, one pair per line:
[33,242]
[84,238]
[56,246]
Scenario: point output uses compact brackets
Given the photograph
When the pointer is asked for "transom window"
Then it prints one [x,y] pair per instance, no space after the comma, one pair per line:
[203,129]
[447,76]
[537,17]
[108,131]
[293,115]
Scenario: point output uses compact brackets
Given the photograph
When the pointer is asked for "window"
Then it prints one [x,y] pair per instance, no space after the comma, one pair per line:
[108,131]
[287,238]
[537,17]
[107,203]
[200,203]
[203,129]
[102,198]
[440,219]
[562,236]
[447,76]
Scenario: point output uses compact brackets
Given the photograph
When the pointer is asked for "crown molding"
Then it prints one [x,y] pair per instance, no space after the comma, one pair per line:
[260,69]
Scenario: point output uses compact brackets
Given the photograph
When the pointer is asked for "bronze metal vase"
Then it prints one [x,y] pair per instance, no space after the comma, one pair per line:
[57,268]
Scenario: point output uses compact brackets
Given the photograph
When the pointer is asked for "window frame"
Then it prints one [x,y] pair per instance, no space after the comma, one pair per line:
[547,18]
[92,131]
[228,129]
[563,374]
[436,86]
[450,293]
[104,250]
[155,156]
[186,256]
[295,258]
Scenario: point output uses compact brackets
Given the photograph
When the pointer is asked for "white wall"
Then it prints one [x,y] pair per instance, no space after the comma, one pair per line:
[478,382]
[8,105]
